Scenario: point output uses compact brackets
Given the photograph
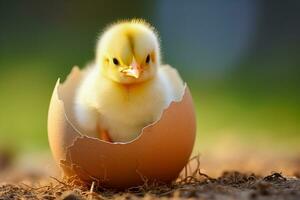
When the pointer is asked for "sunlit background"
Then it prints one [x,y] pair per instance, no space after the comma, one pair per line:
[241,60]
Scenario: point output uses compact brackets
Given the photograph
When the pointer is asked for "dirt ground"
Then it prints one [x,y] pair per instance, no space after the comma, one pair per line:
[230,185]
[217,177]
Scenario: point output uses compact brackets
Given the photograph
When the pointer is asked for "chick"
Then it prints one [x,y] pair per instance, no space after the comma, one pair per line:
[126,88]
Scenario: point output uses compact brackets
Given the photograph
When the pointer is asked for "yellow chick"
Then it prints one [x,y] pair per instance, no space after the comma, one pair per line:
[126,88]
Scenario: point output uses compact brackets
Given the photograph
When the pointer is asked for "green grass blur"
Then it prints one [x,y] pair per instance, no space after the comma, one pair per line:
[259,109]
[273,119]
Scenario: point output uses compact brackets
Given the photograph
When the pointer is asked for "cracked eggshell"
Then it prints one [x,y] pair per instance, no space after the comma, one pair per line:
[158,154]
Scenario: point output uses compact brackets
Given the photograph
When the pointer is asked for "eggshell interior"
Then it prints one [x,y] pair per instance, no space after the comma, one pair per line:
[158,154]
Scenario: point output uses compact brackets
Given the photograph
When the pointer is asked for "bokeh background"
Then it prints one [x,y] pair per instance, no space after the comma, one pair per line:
[241,60]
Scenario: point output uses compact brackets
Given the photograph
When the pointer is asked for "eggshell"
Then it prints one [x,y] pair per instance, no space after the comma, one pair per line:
[159,153]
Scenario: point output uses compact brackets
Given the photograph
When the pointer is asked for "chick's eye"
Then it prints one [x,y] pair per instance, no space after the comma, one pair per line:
[148,59]
[115,61]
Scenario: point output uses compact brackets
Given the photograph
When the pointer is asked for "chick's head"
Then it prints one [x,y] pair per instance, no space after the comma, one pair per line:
[128,52]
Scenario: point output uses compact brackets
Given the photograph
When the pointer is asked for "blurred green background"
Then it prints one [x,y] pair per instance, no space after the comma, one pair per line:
[241,60]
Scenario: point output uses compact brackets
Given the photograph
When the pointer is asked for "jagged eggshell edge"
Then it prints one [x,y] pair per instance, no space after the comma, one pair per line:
[158,154]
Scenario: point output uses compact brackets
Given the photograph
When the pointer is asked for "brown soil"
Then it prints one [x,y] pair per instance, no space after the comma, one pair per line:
[230,185]
[193,183]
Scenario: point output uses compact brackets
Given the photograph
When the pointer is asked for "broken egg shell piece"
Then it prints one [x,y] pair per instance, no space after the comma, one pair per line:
[158,154]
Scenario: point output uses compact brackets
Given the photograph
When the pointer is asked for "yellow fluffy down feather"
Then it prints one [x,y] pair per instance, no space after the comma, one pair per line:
[126,88]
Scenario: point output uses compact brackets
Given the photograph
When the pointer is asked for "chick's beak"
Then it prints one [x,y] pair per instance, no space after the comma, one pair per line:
[134,69]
